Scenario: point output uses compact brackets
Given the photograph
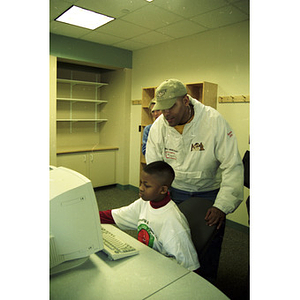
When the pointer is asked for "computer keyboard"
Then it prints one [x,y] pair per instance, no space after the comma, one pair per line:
[114,247]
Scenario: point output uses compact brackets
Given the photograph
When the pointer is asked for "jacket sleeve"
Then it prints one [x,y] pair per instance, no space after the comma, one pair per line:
[232,185]
[145,138]
[106,217]
[155,144]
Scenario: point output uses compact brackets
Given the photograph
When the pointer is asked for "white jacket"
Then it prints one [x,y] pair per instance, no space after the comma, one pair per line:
[204,157]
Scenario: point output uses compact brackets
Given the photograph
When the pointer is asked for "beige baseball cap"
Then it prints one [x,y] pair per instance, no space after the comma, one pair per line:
[168,92]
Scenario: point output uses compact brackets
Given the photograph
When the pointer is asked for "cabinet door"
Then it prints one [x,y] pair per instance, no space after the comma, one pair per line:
[102,168]
[74,161]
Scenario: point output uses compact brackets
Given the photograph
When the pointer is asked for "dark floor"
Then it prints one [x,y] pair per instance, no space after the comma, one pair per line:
[233,274]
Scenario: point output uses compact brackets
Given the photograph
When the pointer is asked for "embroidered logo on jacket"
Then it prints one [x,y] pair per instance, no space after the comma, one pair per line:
[230,134]
[171,153]
[197,147]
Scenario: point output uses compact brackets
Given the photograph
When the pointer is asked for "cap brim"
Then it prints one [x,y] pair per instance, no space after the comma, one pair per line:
[164,104]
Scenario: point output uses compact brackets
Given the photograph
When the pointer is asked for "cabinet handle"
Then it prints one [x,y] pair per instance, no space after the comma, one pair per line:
[91,157]
[84,158]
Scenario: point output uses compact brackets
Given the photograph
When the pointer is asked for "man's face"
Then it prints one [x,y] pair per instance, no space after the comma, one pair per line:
[177,113]
[156,114]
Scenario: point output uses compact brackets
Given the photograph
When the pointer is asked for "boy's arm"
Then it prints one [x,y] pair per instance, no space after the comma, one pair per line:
[182,248]
[106,217]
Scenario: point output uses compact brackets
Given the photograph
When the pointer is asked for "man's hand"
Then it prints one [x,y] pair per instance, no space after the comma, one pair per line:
[214,216]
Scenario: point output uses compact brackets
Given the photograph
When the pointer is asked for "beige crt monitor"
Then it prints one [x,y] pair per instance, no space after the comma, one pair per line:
[75,229]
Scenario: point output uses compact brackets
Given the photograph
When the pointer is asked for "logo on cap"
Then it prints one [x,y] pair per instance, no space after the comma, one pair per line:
[161,93]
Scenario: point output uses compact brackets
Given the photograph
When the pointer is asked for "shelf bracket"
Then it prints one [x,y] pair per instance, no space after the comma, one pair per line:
[71,115]
[71,104]
[96,115]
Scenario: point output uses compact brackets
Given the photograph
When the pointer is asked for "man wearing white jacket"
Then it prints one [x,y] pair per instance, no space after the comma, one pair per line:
[202,149]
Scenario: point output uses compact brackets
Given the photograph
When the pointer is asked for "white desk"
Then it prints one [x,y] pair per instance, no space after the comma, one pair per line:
[189,286]
[146,275]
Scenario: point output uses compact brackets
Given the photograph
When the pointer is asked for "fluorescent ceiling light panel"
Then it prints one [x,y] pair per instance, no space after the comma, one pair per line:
[84,18]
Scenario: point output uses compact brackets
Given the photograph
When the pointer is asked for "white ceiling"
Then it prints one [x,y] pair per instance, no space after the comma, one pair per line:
[139,24]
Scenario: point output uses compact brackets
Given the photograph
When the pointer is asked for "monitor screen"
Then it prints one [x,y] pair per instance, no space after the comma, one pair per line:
[75,229]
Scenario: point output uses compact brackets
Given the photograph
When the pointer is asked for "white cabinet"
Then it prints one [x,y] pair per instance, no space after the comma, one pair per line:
[98,166]
[74,161]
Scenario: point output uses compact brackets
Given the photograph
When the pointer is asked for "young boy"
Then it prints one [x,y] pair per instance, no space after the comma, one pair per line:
[159,222]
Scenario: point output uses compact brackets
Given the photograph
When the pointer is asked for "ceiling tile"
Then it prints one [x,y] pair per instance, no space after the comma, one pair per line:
[122,29]
[57,7]
[182,28]
[152,17]
[112,8]
[190,8]
[130,45]
[140,24]
[152,38]
[243,6]
[220,17]
[102,38]
[67,29]
[233,1]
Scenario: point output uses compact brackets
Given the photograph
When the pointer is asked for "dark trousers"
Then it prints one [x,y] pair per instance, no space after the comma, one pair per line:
[209,261]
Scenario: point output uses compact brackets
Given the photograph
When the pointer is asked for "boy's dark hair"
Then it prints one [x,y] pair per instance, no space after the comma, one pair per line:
[162,171]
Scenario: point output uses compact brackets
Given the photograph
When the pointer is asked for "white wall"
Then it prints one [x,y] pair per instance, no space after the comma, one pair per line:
[220,56]
[52,110]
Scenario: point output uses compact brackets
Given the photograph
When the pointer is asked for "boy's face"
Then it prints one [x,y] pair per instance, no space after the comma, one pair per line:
[151,189]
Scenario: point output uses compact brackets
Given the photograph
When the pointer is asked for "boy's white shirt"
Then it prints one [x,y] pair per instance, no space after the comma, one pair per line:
[166,226]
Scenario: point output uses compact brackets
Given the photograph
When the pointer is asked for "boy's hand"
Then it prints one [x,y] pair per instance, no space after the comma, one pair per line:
[214,216]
